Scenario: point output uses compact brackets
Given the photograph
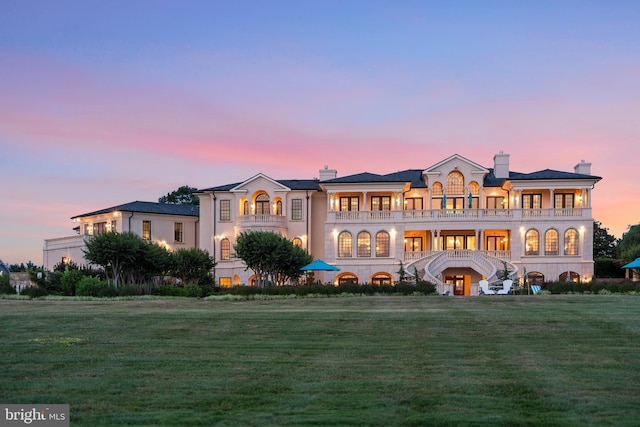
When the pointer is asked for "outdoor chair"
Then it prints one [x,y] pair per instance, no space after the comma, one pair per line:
[506,287]
[484,287]
[535,289]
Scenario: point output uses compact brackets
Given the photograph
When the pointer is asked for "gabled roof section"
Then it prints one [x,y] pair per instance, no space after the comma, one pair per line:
[413,176]
[256,177]
[285,184]
[546,174]
[459,158]
[148,207]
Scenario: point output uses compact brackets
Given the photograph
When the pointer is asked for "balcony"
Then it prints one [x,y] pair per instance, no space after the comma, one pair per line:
[261,219]
[433,215]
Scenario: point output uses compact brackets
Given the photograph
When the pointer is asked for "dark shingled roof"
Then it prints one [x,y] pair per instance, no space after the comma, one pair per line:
[491,181]
[149,207]
[414,176]
[294,184]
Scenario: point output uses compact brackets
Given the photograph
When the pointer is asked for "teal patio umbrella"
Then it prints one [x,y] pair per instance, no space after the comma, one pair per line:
[319,265]
[633,264]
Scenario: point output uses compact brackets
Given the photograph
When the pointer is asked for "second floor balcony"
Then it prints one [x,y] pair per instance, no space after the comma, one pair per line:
[434,215]
[261,220]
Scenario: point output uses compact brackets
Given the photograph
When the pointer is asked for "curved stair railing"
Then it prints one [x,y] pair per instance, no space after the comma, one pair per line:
[488,265]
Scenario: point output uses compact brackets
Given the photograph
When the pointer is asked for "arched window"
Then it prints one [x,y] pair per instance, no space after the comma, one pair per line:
[535,278]
[382,244]
[381,279]
[436,189]
[364,244]
[297,242]
[474,188]
[571,276]
[571,242]
[279,207]
[345,245]
[551,242]
[532,242]
[262,204]
[347,278]
[245,207]
[225,249]
[455,183]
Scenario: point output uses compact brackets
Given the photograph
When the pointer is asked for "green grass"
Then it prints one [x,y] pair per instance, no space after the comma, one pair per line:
[570,360]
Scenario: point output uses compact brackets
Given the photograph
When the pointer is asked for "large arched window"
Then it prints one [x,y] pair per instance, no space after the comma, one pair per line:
[532,242]
[382,244]
[225,249]
[571,242]
[474,188]
[551,242]
[364,244]
[455,183]
[345,245]
[262,204]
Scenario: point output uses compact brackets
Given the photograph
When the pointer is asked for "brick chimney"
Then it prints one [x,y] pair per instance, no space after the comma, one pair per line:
[583,168]
[327,173]
[501,165]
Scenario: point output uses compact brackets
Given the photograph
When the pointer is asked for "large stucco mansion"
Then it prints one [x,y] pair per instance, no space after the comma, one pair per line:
[455,223]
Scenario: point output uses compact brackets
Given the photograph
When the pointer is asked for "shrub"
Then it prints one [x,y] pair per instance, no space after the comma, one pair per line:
[34,291]
[425,287]
[94,287]
[69,281]
[194,291]
[170,291]
[5,285]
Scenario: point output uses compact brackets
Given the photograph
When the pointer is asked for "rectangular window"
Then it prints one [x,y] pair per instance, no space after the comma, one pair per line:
[177,232]
[146,230]
[496,243]
[413,244]
[532,201]
[99,228]
[495,202]
[87,229]
[413,204]
[380,203]
[563,201]
[349,203]
[114,225]
[296,209]
[225,282]
[225,210]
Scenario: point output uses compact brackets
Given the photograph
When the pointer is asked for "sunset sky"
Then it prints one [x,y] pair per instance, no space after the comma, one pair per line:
[107,102]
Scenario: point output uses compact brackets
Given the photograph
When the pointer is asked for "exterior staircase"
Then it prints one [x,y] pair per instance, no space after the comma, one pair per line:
[435,263]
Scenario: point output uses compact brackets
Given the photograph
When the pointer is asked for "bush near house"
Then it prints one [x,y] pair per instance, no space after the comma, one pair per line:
[594,287]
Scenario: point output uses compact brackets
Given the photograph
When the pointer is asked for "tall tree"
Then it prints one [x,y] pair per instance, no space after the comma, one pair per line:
[274,259]
[604,244]
[181,196]
[628,245]
[193,266]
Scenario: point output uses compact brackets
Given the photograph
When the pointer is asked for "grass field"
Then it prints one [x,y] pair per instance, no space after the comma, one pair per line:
[570,360]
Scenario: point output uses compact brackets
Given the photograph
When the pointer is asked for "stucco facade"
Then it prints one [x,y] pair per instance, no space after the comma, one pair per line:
[453,223]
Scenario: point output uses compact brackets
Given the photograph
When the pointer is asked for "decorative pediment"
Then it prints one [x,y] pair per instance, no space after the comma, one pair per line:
[259,181]
[455,162]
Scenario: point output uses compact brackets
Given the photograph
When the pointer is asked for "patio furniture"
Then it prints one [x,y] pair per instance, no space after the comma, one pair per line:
[506,287]
[484,287]
[535,289]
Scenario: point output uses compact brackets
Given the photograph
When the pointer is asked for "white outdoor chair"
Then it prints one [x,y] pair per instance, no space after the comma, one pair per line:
[484,287]
[506,287]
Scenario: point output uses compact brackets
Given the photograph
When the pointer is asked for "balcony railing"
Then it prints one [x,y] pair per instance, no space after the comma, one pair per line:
[261,219]
[454,214]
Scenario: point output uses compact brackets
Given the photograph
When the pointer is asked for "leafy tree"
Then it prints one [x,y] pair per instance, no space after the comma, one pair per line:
[402,273]
[604,244]
[626,245]
[193,266]
[181,196]
[116,252]
[273,258]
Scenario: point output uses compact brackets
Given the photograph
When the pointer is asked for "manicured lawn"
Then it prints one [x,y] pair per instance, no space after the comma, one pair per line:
[571,360]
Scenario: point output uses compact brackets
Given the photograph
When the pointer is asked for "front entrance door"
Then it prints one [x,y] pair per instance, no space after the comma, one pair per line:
[457,282]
